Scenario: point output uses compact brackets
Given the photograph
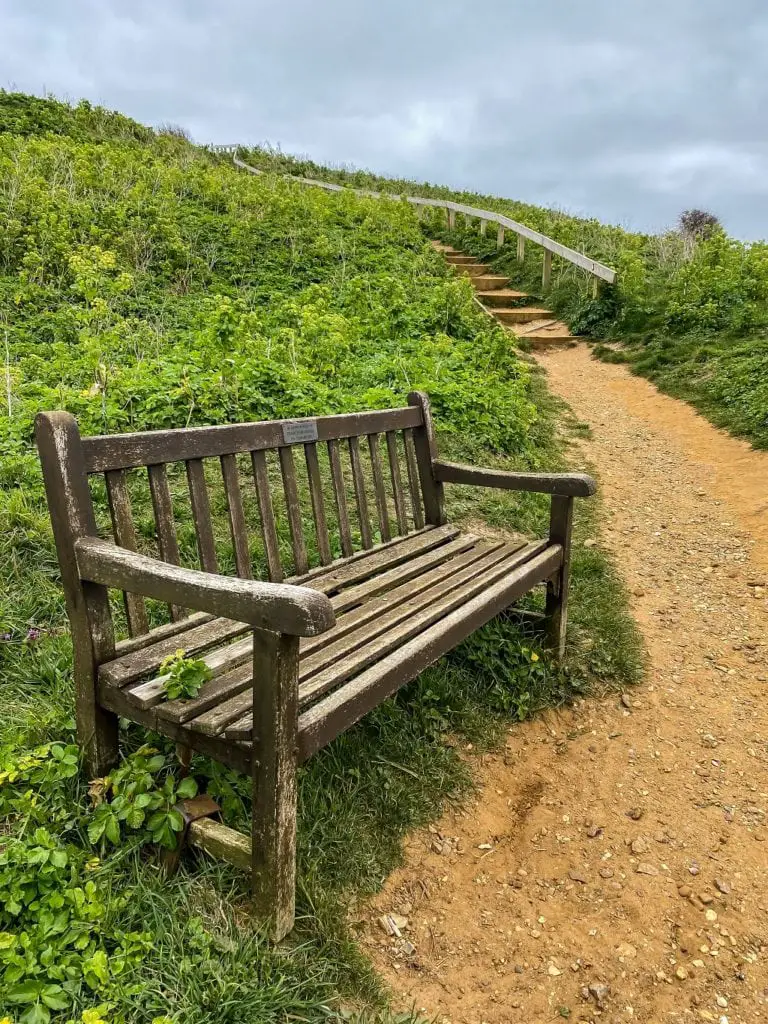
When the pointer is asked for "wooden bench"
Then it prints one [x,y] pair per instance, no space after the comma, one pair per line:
[299,658]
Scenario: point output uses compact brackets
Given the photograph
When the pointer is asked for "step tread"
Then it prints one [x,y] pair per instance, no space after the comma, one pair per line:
[539,311]
[542,329]
[503,293]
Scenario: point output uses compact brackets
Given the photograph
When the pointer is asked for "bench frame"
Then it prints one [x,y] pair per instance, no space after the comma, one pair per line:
[279,613]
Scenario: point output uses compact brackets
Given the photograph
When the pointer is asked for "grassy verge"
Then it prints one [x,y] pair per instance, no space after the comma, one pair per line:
[724,377]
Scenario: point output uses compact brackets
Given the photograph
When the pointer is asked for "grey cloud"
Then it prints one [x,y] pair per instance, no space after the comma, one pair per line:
[625,111]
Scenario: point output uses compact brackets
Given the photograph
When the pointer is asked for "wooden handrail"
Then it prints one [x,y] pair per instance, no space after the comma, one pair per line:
[593,267]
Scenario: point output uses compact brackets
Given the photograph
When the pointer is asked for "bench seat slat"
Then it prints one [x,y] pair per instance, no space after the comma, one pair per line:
[357,556]
[231,697]
[225,659]
[398,609]
[234,755]
[448,603]
[137,643]
[139,663]
[390,578]
[139,659]
[347,704]
[385,557]
[362,649]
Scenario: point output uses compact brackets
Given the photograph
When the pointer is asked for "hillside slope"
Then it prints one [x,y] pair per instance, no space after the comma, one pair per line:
[691,316]
[144,284]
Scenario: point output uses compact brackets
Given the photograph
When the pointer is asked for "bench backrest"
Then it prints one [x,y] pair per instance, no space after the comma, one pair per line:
[292,492]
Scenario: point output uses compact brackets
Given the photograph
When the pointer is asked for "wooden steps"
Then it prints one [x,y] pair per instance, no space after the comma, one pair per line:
[534,323]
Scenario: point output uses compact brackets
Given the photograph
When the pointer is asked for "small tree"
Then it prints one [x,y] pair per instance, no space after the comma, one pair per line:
[698,224]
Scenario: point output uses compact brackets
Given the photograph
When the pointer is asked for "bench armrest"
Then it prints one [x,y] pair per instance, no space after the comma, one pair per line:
[280,607]
[571,485]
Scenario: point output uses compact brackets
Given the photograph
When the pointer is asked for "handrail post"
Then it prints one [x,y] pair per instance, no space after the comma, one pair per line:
[500,236]
[520,249]
[546,273]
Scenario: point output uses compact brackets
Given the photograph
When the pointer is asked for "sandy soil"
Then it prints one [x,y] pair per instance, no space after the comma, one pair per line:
[614,865]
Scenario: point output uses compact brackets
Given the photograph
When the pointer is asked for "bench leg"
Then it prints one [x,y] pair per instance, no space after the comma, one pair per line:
[275,731]
[556,609]
[93,643]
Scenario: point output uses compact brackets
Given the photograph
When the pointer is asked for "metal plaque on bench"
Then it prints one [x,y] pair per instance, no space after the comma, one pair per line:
[300,431]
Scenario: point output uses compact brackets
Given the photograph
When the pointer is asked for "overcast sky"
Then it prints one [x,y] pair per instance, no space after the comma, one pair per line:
[625,110]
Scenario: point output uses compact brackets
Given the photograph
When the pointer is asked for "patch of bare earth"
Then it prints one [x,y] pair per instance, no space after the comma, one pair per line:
[614,865]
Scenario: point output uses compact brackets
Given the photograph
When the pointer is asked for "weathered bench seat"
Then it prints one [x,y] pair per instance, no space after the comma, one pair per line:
[298,659]
[397,610]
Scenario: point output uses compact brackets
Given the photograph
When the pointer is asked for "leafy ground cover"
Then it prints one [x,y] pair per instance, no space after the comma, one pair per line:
[690,315]
[144,284]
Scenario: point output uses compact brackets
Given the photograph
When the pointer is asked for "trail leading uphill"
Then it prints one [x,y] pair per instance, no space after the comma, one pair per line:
[614,863]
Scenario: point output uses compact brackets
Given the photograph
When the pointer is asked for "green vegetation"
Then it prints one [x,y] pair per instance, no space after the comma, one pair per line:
[690,313]
[184,676]
[145,284]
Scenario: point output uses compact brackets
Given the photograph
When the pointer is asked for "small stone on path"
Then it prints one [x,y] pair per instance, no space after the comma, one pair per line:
[644,868]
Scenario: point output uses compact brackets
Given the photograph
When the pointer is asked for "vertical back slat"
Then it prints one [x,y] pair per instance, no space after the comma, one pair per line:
[425,446]
[318,504]
[397,482]
[413,479]
[237,524]
[378,487]
[266,512]
[288,470]
[201,513]
[360,496]
[166,528]
[340,495]
[124,533]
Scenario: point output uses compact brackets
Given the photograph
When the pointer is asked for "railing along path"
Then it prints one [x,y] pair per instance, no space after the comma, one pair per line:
[504,224]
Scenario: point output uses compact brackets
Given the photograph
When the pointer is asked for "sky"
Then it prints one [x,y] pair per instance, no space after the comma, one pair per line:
[624,110]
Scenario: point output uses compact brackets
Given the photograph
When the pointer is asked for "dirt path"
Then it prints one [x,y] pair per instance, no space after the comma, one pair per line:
[615,864]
